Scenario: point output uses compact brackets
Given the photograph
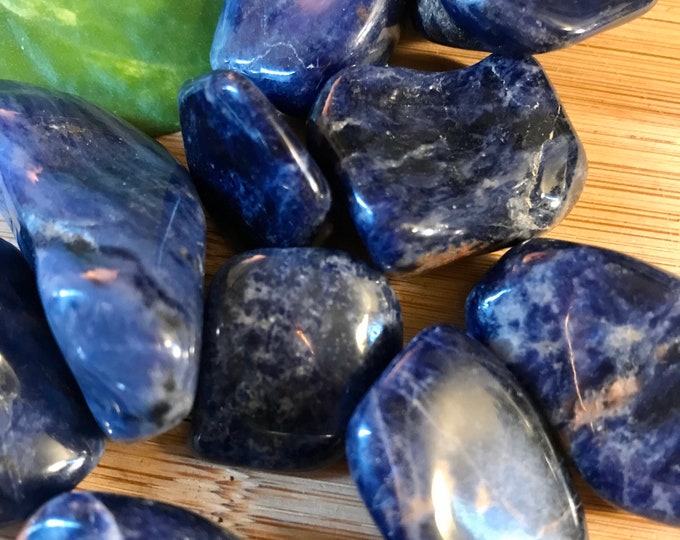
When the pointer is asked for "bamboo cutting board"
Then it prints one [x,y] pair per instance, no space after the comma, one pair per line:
[621,90]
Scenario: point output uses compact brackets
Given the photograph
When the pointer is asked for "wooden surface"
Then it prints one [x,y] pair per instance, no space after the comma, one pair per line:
[622,92]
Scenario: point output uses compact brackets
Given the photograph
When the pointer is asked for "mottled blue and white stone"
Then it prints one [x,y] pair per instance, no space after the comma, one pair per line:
[594,337]
[247,162]
[293,338]
[115,232]
[289,48]
[86,515]
[49,441]
[520,28]
[437,166]
[447,445]
[435,23]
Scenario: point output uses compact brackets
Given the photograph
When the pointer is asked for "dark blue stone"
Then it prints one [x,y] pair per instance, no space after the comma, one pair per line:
[435,23]
[293,338]
[594,336]
[289,48]
[105,516]
[248,163]
[447,445]
[527,27]
[49,441]
[437,166]
[116,234]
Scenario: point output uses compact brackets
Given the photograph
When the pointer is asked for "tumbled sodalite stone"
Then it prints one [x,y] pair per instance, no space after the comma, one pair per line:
[435,23]
[594,337]
[293,338]
[248,163]
[289,48]
[48,439]
[519,28]
[437,166]
[447,445]
[115,232]
[86,515]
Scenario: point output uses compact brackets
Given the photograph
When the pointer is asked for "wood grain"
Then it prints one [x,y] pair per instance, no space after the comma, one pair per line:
[622,92]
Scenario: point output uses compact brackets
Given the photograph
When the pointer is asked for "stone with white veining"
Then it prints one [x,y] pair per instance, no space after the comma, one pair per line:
[293,338]
[520,28]
[436,24]
[593,335]
[447,445]
[289,48]
[437,166]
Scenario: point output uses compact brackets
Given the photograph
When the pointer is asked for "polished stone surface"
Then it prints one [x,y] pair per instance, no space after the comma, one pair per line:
[518,28]
[289,48]
[129,57]
[447,445]
[437,166]
[248,163]
[434,22]
[48,439]
[593,336]
[293,338]
[114,230]
[87,515]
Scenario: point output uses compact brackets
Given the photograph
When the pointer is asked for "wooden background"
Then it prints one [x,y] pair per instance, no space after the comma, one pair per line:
[622,92]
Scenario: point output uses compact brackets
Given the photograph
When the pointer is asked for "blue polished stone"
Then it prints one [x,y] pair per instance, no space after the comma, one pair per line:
[436,166]
[86,515]
[447,445]
[527,27]
[49,441]
[435,23]
[293,338]
[247,162]
[116,234]
[594,335]
[289,48]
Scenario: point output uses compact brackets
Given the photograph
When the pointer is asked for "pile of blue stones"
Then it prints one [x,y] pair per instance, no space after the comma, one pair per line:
[299,347]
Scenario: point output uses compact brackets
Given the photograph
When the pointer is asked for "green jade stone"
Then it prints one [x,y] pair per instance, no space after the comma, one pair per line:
[128,56]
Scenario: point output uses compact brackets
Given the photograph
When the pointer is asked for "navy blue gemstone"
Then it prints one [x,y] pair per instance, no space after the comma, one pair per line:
[435,23]
[49,441]
[116,234]
[518,28]
[437,166]
[293,338]
[594,336]
[447,445]
[105,516]
[248,163]
[289,48]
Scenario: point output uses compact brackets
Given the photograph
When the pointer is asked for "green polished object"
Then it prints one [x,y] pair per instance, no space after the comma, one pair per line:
[129,56]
